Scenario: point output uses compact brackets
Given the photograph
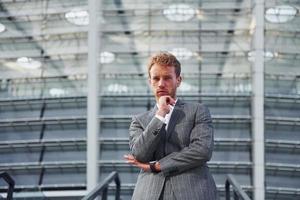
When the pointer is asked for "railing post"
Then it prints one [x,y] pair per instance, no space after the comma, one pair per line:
[104,194]
[103,188]
[11,184]
[227,190]
[238,192]
[118,187]
[235,196]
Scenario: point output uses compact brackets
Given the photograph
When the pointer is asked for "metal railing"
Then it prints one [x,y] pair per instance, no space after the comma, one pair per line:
[11,184]
[238,192]
[102,188]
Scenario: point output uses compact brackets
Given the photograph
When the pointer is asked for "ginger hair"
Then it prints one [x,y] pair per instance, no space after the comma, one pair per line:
[165,59]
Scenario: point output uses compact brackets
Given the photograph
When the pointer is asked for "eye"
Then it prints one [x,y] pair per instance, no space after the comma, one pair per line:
[167,77]
[155,78]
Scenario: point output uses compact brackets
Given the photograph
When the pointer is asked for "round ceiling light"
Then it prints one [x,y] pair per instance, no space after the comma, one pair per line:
[57,92]
[280,14]
[186,87]
[117,88]
[2,28]
[107,57]
[267,56]
[78,17]
[182,53]
[179,12]
[28,63]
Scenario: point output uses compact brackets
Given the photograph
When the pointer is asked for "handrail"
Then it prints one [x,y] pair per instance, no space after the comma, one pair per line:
[238,192]
[11,184]
[103,187]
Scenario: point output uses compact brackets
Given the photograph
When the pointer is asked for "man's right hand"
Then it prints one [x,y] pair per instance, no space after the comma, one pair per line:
[164,103]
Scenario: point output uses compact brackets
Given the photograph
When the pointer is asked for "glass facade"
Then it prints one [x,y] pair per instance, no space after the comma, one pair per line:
[43,87]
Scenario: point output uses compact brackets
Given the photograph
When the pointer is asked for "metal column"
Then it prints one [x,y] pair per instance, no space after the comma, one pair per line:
[258,151]
[92,169]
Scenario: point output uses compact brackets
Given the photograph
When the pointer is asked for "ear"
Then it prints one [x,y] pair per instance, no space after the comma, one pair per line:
[149,80]
[178,81]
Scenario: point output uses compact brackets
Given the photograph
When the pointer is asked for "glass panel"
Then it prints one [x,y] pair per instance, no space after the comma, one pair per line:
[282,132]
[232,130]
[231,156]
[282,109]
[43,61]
[115,129]
[282,181]
[64,176]
[113,151]
[65,154]
[65,131]
[281,101]
[283,158]
[21,156]
[15,133]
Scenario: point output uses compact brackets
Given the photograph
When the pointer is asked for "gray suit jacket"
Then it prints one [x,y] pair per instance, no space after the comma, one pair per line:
[182,152]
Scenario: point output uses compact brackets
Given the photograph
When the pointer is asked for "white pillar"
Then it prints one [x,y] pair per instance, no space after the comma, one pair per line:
[92,168]
[258,151]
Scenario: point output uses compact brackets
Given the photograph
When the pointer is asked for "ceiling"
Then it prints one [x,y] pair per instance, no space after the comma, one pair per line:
[210,37]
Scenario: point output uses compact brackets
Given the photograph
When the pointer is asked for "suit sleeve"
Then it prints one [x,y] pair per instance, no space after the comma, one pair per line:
[143,142]
[199,150]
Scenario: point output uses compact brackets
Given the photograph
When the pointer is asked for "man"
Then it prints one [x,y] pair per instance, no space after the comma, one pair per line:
[171,143]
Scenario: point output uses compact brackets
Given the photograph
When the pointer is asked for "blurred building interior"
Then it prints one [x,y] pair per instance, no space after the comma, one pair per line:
[43,88]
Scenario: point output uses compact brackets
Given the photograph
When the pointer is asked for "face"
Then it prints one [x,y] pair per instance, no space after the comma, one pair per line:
[163,81]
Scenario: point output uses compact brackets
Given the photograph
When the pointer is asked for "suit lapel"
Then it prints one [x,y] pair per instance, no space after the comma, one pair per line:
[176,115]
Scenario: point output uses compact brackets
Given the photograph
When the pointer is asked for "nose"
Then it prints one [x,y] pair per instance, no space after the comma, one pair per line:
[161,83]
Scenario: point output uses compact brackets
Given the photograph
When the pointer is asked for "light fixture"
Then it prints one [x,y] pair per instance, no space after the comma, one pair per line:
[28,63]
[242,87]
[199,14]
[78,17]
[268,55]
[117,88]
[57,92]
[182,53]
[280,14]
[179,12]
[2,28]
[186,87]
[107,57]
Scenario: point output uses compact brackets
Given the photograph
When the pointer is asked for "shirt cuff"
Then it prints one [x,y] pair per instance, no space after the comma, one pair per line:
[161,118]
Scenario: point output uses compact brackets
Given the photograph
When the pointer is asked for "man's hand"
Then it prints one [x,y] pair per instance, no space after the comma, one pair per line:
[131,160]
[144,166]
[164,103]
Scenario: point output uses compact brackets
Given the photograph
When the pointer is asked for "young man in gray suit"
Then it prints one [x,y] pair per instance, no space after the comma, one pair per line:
[172,142]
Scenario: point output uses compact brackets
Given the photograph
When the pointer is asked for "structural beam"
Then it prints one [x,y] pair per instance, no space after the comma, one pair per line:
[92,99]
[258,151]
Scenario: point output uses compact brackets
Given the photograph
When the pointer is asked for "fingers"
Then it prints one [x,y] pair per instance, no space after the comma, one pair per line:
[128,156]
[130,159]
[167,100]
[170,101]
[164,105]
